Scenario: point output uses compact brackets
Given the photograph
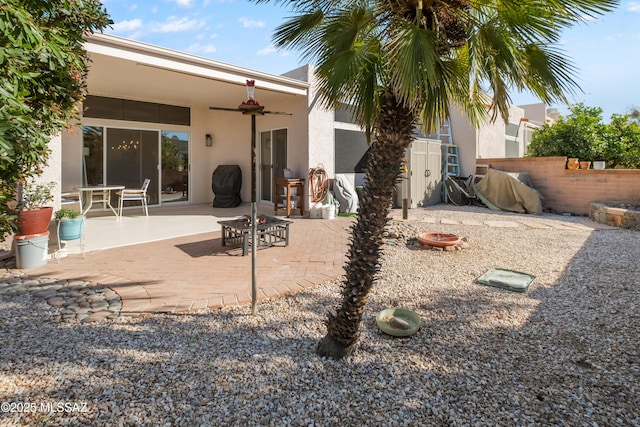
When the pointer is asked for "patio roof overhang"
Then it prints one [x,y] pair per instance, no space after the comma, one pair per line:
[134,70]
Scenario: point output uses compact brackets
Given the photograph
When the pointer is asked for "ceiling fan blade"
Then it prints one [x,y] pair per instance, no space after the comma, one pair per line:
[278,112]
[240,110]
[224,109]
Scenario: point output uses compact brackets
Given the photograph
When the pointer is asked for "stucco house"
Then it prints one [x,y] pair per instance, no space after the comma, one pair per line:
[148,115]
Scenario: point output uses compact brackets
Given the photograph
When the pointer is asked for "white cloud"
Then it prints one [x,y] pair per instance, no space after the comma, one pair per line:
[126,26]
[614,37]
[633,7]
[267,50]
[250,23]
[587,18]
[184,3]
[175,24]
[202,48]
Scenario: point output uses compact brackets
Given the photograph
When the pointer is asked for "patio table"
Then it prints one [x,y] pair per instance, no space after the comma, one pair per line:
[269,231]
[102,194]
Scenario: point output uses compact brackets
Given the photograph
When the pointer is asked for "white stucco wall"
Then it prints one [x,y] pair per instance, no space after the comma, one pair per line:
[52,172]
[320,125]
[536,113]
[465,137]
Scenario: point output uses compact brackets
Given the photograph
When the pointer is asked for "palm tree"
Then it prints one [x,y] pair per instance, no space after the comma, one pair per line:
[401,63]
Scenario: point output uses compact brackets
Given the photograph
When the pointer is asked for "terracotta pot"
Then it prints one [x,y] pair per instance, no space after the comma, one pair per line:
[34,221]
[573,163]
[439,240]
[585,165]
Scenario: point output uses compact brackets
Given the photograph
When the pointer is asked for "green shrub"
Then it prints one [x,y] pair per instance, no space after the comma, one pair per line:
[582,134]
[66,213]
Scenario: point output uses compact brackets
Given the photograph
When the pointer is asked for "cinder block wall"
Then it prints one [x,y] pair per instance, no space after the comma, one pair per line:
[566,190]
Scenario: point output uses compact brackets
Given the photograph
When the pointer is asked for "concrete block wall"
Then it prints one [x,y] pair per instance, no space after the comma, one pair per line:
[572,191]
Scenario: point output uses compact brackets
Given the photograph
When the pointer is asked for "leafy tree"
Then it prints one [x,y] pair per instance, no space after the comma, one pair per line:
[621,148]
[42,79]
[577,135]
[399,63]
[583,134]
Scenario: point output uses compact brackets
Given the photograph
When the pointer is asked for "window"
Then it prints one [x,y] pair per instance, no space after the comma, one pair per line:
[343,114]
[350,147]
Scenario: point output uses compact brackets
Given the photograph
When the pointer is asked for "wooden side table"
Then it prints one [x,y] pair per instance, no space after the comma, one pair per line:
[288,183]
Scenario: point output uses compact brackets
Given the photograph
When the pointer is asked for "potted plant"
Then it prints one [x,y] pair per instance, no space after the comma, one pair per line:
[70,224]
[33,215]
[585,164]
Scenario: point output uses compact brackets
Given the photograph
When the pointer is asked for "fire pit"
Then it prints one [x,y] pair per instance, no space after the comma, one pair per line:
[269,230]
[439,240]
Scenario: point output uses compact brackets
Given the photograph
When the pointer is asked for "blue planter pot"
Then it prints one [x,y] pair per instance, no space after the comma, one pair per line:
[70,228]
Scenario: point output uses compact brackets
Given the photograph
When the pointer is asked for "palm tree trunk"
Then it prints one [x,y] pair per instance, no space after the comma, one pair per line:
[393,135]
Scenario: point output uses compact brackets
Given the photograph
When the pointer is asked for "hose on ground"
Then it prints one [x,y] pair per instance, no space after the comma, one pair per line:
[319,184]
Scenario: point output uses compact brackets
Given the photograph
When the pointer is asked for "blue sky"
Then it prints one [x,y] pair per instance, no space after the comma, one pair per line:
[606,51]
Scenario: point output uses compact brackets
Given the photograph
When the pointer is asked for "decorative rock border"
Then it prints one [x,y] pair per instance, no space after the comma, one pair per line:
[76,300]
[622,217]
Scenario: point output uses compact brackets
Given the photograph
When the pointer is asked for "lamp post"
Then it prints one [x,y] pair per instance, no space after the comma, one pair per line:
[253,108]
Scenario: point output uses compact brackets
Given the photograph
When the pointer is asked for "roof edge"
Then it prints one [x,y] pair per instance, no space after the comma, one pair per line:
[112,41]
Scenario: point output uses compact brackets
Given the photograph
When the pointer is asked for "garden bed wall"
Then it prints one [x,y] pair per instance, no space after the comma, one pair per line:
[572,191]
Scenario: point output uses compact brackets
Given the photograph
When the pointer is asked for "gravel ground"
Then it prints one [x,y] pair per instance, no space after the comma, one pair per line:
[564,353]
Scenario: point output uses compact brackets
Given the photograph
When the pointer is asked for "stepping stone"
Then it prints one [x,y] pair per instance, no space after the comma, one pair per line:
[99,304]
[81,310]
[81,316]
[77,283]
[536,225]
[46,294]
[501,224]
[13,289]
[56,301]
[97,316]
[108,295]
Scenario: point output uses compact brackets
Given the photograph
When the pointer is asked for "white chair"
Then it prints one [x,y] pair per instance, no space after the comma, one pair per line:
[134,194]
[68,198]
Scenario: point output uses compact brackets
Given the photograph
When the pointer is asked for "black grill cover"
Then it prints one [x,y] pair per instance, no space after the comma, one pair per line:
[226,182]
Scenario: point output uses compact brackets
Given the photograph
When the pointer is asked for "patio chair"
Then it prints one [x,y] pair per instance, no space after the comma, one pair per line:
[68,198]
[134,194]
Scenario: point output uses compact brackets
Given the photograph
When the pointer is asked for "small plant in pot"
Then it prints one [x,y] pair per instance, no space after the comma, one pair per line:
[33,214]
[70,224]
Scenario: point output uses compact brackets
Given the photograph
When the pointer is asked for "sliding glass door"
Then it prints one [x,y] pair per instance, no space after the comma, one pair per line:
[273,160]
[119,156]
[174,167]
[132,155]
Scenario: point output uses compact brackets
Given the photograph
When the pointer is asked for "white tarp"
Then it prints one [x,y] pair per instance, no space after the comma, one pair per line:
[345,194]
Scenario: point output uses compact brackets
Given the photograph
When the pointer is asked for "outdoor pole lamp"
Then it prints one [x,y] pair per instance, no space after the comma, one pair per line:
[208,141]
[253,108]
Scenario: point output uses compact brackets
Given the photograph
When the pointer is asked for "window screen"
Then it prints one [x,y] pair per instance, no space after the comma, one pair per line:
[350,146]
[101,107]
